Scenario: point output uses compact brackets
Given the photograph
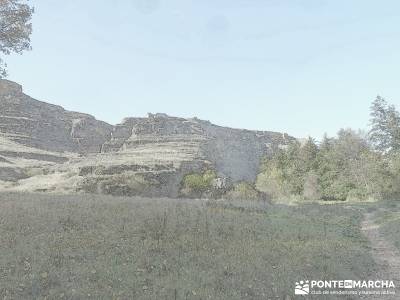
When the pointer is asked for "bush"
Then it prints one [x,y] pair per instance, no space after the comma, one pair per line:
[197,184]
[271,184]
[358,195]
[244,191]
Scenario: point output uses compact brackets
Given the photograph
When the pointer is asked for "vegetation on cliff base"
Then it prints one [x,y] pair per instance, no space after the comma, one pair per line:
[207,184]
[243,191]
[198,184]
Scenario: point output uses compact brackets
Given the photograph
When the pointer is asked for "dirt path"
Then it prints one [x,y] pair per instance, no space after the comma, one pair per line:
[385,254]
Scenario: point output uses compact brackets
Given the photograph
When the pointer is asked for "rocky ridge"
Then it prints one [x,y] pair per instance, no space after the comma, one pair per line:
[44,147]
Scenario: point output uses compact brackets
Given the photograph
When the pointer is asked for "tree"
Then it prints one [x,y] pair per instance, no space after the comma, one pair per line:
[308,154]
[393,124]
[385,126]
[15,29]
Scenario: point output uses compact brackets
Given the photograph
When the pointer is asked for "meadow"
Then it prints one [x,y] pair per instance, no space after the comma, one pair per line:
[100,247]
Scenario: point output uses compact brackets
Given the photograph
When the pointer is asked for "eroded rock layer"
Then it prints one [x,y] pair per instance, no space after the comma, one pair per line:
[44,147]
[45,126]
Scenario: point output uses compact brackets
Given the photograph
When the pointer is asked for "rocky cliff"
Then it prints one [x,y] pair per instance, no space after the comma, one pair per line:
[45,126]
[45,147]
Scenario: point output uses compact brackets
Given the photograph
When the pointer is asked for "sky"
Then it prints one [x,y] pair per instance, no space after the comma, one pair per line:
[295,66]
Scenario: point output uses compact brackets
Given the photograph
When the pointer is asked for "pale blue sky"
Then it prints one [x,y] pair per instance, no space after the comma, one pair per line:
[299,66]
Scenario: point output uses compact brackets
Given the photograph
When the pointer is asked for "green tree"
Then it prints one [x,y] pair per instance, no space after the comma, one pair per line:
[308,154]
[385,126]
[286,172]
[15,29]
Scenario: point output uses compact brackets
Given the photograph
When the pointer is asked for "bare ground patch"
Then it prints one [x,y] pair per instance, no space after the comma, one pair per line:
[385,254]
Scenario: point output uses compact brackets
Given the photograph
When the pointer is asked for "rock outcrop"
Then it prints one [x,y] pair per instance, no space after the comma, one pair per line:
[235,153]
[45,126]
[44,147]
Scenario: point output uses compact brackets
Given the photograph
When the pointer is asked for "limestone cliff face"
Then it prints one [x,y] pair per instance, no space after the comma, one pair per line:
[157,128]
[235,153]
[147,156]
[45,126]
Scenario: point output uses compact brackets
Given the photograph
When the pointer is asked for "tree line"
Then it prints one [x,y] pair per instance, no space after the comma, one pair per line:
[354,165]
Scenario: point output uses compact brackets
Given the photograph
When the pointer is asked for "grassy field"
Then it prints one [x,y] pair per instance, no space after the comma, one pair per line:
[82,247]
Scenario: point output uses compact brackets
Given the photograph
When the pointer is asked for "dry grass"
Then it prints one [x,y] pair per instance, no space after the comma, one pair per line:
[79,247]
